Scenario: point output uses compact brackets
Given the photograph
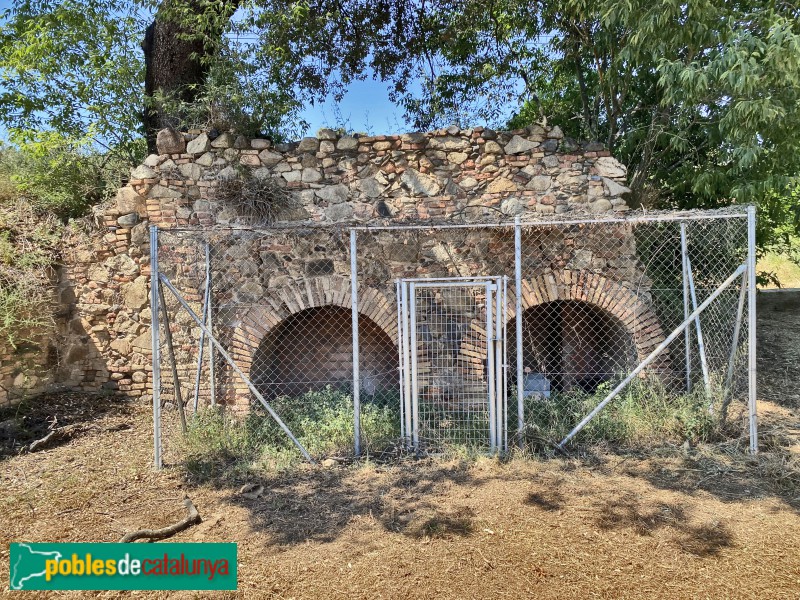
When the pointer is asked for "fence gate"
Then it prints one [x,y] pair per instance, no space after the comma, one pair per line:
[453,361]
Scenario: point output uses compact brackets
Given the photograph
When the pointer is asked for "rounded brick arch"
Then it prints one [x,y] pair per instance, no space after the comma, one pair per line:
[256,322]
[623,303]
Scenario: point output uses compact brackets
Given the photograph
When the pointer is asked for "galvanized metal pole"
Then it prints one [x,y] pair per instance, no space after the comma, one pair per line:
[173,361]
[505,363]
[356,372]
[518,315]
[400,361]
[490,366]
[701,346]
[202,344]
[688,332]
[156,345]
[211,362]
[498,362]
[412,337]
[751,326]
[224,353]
[406,360]
[653,355]
[737,327]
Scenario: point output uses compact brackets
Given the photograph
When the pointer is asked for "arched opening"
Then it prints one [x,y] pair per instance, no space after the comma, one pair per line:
[569,344]
[313,349]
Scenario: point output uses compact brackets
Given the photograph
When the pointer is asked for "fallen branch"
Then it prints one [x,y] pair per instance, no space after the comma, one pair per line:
[192,518]
[56,435]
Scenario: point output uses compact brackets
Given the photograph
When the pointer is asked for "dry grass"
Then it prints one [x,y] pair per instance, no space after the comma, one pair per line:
[671,524]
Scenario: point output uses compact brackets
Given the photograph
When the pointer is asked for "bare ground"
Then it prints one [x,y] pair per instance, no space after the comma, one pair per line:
[707,522]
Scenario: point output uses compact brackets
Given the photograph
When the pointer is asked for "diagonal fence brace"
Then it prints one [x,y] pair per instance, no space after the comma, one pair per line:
[163,279]
[652,356]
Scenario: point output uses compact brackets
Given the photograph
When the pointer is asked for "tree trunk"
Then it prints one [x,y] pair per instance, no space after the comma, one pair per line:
[183,34]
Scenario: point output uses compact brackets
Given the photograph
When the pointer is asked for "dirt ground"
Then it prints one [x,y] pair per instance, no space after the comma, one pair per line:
[706,522]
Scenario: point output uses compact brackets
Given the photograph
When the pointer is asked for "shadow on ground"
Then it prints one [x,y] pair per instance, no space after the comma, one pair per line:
[34,417]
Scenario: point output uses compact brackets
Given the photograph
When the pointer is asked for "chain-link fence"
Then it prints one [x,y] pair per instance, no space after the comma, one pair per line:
[458,333]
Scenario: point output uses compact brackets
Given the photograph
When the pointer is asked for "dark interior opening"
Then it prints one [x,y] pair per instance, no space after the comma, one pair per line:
[569,345]
[314,348]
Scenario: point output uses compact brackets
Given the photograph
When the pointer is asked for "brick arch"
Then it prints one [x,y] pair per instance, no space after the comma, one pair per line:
[278,304]
[623,303]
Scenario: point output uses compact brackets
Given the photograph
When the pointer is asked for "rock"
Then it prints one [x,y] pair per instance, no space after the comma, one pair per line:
[311,175]
[139,377]
[206,160]
[129,201]
[600,205]
[555,133]
[519,144]
[492,147]
[551,162]
[270,159]
[228,174]
[540,183]
[550,146]
[152,160]
[143,172]
[501,184]
[122,264]
[329,463]
[241,142]
[292,176]
[381,146]
[136,294]
[513,206]
[198,145]
[607,166]
[121,345]
[308,144]
[169,141]
[251,491]
[457,157]
[339,212]
[449,143]
[614,188]
[143,344]
[128,220]
[191,171]
[594,147]
[326,134]
[160,191]
[468,183]
[222,141]
[140,235]
[413,138]
[347,144]
[260,144]
[333,194]
[371,187]
[420,183]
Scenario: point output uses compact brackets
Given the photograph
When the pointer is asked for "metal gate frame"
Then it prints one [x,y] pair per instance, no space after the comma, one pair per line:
[496,356]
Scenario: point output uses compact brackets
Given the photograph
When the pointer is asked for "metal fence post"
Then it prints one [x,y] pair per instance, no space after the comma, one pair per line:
[356,373]
[751,326]
[154,334]
[688,332]
[210,306]
[518,313]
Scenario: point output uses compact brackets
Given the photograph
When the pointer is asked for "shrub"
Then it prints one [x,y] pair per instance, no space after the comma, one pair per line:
[218,445]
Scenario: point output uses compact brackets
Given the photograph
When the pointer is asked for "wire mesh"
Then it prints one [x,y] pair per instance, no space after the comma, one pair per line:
[596,298]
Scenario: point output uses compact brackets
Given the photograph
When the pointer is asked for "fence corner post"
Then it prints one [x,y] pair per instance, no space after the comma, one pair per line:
[751,326]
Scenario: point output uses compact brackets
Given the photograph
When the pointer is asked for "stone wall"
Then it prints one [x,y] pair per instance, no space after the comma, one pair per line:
[471,175]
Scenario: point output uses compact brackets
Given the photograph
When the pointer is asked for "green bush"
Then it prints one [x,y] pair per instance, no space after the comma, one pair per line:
[221,446]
